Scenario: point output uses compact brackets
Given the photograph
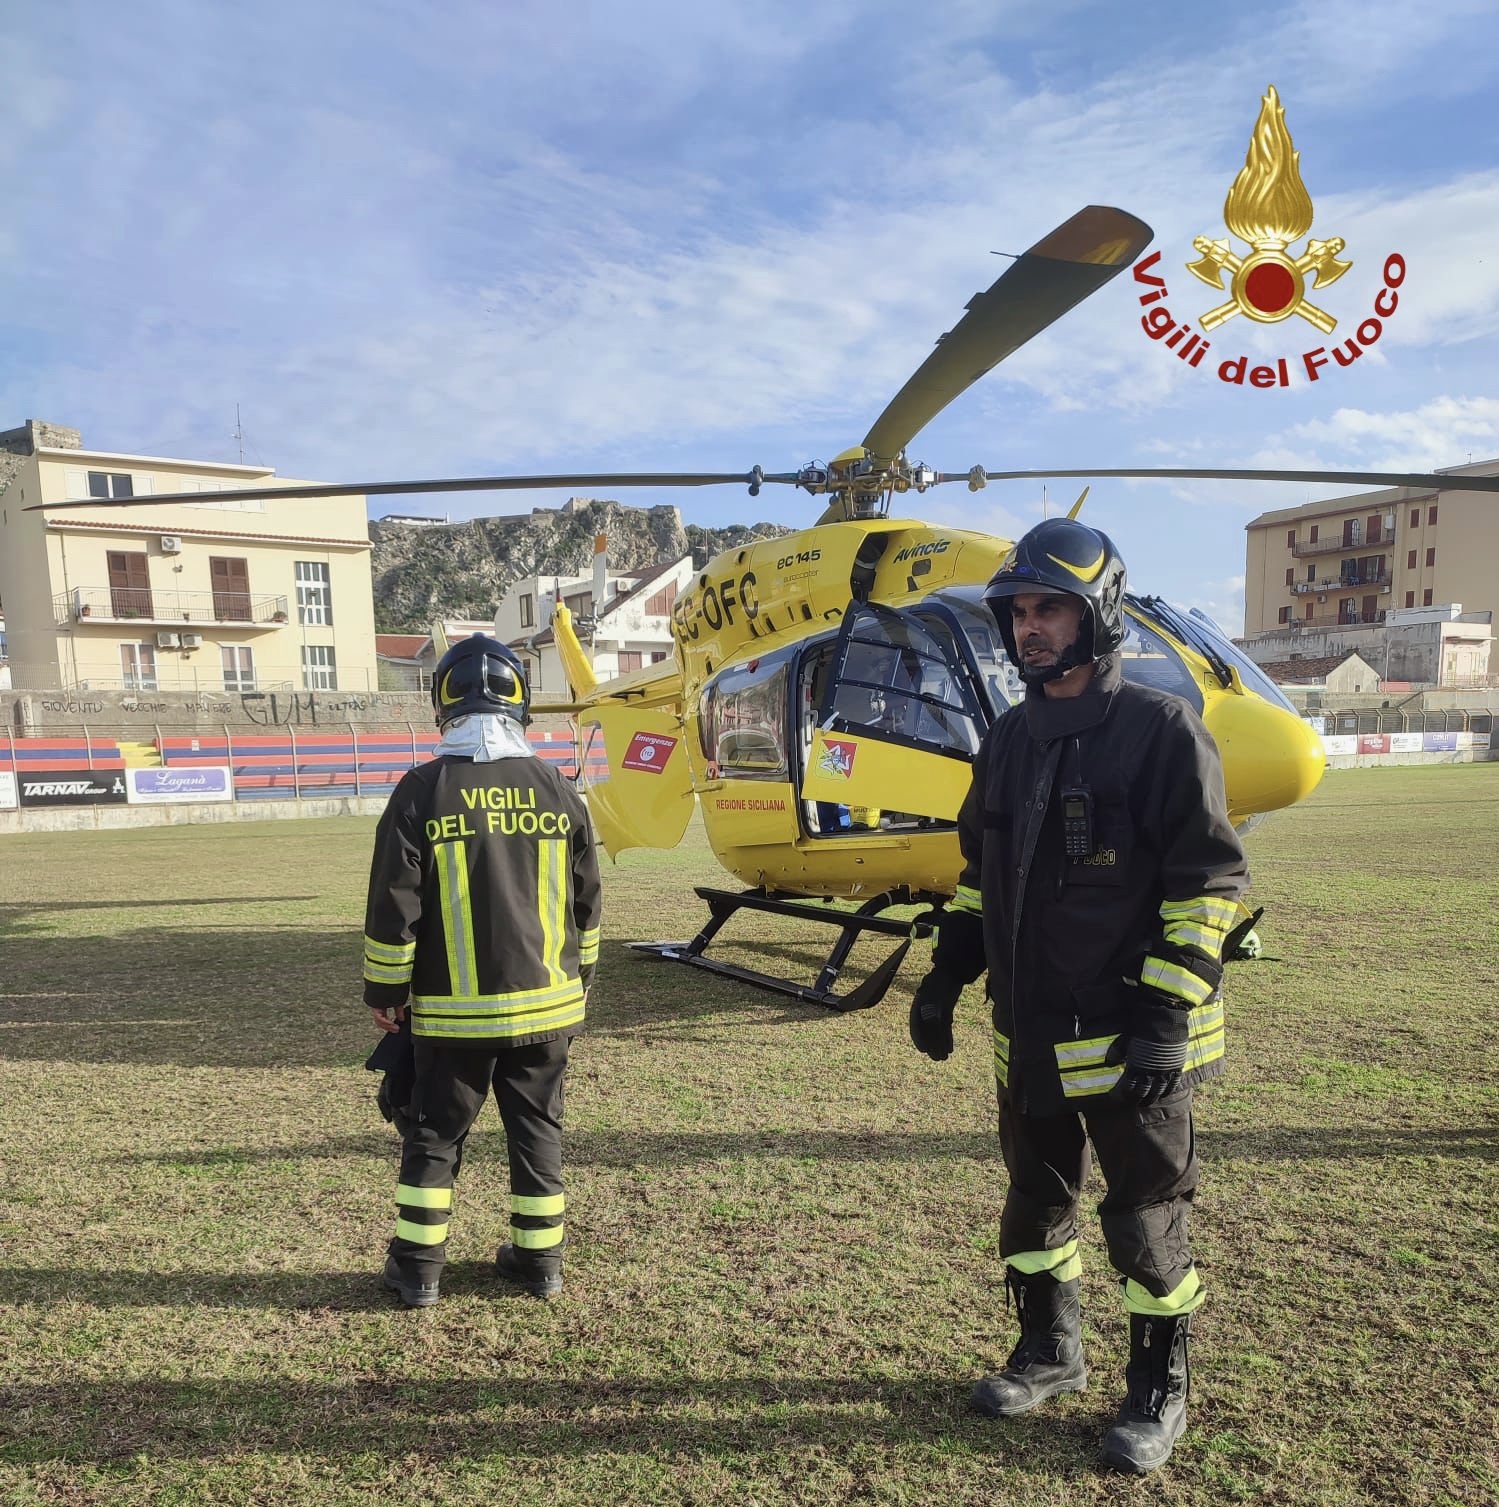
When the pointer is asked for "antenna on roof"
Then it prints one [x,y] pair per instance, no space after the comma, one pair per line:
[239,435]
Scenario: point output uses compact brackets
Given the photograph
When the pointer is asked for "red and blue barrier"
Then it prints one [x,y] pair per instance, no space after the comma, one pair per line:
[281,765]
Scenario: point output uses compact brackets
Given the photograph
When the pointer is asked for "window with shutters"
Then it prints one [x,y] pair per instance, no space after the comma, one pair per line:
[230,578]
[527,610]
[629,659]
[319,668]
[314,592]
[1431,556]
[1426,597]
[659,603]
[1431,513]
[1410,559]
[1285,615]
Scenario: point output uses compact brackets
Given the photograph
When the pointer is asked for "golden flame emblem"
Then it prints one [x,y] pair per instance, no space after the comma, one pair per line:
[1269,207]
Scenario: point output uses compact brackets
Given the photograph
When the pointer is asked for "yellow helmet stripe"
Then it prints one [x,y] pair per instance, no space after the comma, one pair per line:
[1082,572]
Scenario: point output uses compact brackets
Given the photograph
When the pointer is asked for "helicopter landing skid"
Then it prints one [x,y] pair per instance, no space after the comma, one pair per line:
[723,904]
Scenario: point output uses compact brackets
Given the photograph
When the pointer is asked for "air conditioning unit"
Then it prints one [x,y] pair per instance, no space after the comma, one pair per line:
[167,640]
[1322,597]
[1384,591]
[192,640]
[171,544]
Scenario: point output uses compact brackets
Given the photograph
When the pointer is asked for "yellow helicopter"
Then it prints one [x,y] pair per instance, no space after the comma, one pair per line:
[830,687]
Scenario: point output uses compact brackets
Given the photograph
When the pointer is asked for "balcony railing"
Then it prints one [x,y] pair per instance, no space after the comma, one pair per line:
[1303,547]
[1336,620]
[149,606]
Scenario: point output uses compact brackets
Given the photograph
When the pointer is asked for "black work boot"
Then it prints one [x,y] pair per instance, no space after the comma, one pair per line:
[412,1292]
[1049,1357]
[539,1274]
[1153,1415]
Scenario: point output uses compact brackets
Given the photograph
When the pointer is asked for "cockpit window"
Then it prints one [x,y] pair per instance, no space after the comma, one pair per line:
[1147,658]
[895,680]
[1200,624]
[965,627]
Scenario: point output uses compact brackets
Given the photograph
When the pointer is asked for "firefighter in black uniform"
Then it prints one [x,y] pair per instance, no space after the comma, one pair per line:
[1101,877]
[483,914]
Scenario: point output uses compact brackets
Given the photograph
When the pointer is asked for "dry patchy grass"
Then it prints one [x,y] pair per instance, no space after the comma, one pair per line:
[781,1276]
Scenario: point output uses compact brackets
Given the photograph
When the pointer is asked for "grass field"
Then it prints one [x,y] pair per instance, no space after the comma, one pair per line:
[782,1274]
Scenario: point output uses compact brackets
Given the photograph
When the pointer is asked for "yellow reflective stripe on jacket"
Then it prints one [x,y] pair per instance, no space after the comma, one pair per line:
[1063,1263]
[1001,1058]
[544,1204]
[509,1003]
[968,899]
[388,952]
[421,1234]
[551,893]
[1183,1298]
[1082,1069]
[485,1025]
[457,915]
[1201,922]
[536,1240]
[423,1198]
[1204,1035]
[1173,979]
[588,946]
[379,973]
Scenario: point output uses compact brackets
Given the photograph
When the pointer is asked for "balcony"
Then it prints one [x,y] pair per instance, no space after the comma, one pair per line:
[1337,620]
[168,609]
[1305,547]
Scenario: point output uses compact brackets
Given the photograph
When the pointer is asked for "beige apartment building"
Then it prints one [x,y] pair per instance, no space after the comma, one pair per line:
[210,595]
[1348,562]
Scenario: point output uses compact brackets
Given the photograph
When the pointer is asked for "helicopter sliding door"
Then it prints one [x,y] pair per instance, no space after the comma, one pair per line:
[898,724]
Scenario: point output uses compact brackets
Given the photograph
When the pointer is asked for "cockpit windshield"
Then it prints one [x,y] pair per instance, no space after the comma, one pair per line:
[1147,657]
[1196,628]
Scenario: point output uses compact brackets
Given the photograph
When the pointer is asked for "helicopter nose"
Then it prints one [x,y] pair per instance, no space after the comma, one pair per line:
[1271,758]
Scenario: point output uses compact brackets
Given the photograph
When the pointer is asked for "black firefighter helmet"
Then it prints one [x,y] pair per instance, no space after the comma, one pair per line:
[1062,555]
[480,674]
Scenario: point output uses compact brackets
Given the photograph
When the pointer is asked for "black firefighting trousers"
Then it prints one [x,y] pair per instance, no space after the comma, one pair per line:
[452,1083]
[1148,1157]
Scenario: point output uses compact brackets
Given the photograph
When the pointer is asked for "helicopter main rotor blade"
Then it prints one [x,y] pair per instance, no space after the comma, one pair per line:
[1060,270]
[1425,481]
[442,484]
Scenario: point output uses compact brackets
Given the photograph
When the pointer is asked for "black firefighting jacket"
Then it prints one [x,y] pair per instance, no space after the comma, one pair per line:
[483,903]
[1068,942]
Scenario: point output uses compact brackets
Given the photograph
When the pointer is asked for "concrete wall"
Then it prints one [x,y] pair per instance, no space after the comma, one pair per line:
[115,713]
[110,818]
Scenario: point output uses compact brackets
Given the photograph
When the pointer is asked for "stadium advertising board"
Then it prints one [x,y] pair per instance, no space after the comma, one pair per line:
[1405,742]
[1339,743]
[173,786]
[1439,742]
[7,790]
[72,787]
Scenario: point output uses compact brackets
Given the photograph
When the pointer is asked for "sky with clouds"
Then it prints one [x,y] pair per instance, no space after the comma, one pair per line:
[500,236]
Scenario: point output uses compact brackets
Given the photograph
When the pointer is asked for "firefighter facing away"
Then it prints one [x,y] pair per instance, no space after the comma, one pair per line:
[483,921]
[1101,877]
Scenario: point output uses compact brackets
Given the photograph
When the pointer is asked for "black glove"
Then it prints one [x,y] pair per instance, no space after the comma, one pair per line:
[1153,1051]
[396,1059]
[932,1012]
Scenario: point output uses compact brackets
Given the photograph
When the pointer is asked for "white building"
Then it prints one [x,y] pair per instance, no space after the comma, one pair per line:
[623,618]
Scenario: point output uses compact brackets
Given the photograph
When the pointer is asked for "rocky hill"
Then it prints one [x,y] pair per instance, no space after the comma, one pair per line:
[460,570]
